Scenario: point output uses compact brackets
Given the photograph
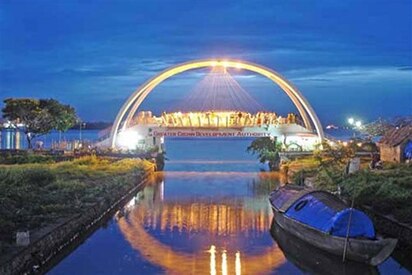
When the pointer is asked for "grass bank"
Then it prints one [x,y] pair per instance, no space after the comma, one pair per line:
[25,157]
[35,195]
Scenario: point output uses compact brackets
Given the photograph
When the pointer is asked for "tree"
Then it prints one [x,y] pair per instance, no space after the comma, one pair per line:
[63,116]
[332,159]
[267,149]
[335,155]
[38,116]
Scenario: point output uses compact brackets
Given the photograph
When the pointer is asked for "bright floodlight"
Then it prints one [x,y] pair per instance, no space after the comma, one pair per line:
[238,66]
[214,63]
[128,139]
[358,123]
[225,64]
[351,120]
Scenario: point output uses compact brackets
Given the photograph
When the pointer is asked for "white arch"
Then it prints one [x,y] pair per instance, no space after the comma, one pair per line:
[144,90]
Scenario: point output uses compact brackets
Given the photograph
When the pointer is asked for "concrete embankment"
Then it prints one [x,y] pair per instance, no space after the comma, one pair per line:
[39,254]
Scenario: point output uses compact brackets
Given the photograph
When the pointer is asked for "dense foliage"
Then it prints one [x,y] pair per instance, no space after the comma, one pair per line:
[32,195]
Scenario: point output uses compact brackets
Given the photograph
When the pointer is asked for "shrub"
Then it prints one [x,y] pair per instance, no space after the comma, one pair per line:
[25,157]
[39,176]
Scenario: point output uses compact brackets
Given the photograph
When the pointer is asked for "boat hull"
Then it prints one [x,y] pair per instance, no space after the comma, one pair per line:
[372,252]
[312,260]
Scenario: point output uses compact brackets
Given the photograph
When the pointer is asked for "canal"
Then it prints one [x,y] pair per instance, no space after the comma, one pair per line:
[207,213]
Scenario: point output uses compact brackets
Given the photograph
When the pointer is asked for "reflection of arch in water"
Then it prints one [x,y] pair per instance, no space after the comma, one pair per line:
[216,218]
[177,262]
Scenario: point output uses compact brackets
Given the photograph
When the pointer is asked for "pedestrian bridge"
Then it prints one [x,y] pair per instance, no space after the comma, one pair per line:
[136,128]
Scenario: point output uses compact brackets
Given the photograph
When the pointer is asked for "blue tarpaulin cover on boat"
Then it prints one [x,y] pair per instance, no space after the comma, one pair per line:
[408,150]
[325,213]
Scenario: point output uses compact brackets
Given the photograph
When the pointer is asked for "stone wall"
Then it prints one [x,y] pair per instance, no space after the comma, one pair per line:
[44,249]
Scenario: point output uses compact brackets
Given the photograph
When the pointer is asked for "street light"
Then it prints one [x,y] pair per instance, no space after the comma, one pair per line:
[81,125]
[354,125]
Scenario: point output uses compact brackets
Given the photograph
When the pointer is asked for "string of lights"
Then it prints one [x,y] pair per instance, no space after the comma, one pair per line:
[219,91]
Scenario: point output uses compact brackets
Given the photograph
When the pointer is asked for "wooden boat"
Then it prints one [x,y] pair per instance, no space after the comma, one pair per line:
[312,260]
[325,221]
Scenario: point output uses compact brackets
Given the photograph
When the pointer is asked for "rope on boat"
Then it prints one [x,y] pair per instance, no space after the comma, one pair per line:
[348,230]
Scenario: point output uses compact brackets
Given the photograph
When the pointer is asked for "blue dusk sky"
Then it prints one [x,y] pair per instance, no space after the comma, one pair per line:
[347,57]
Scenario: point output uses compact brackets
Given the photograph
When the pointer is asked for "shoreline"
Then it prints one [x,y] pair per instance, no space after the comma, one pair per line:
[49,246]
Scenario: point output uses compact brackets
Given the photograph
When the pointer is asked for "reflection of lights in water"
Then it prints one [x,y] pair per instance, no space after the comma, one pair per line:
[224,263]
[179,262]
[212,252]
[238,268]
[215,221]
[131,203]
[162,190]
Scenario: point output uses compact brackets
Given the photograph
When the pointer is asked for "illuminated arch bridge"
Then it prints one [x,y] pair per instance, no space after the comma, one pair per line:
[133,127]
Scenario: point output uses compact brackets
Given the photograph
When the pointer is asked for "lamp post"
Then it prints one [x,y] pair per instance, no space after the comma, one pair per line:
[81,125]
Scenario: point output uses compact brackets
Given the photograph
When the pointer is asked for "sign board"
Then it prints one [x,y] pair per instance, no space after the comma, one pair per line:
[197,133]
[354,165]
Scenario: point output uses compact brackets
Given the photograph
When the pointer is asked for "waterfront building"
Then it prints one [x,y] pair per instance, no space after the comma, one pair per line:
[11,136]
[396,145]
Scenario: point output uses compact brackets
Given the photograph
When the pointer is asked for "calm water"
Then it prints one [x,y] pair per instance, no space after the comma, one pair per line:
[206,214]
[9,137]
